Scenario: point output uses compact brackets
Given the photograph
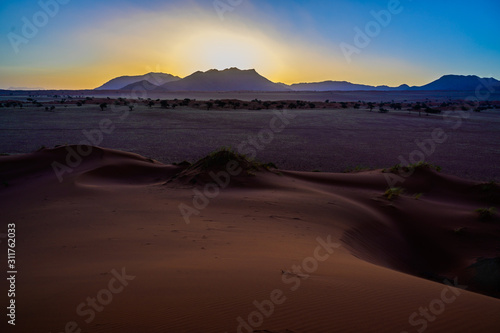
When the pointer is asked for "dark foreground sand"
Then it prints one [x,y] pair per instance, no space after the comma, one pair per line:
[108,250]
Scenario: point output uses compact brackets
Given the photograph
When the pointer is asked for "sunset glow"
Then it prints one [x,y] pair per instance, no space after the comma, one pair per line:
[84,45]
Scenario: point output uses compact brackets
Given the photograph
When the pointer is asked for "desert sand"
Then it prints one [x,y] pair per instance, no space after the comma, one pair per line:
[107,249]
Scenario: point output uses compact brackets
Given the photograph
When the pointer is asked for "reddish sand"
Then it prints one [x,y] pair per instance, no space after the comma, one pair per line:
[115,211]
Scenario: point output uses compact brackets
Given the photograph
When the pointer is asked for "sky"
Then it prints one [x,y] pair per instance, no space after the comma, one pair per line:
[81,44]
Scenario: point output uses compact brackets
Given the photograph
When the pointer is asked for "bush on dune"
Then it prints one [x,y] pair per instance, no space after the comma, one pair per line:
[413,167]
[393,192]
[486,214]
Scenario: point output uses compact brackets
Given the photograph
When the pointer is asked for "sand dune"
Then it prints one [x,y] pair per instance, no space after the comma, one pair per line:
[275,251]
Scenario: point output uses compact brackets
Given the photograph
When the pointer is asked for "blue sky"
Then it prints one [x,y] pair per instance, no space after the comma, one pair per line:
[88,42]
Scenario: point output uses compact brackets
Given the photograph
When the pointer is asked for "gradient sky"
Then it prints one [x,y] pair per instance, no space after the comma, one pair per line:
[86,43]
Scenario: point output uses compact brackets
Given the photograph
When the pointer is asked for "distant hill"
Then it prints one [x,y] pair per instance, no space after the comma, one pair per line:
[25,88]
[459,82]
[156,79]
[234,79]
[446,82]
[340,86]
[231,79]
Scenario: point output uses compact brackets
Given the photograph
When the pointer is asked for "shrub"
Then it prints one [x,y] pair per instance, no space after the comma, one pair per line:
[357,168]
[486,214]
[393,192]
[413,167]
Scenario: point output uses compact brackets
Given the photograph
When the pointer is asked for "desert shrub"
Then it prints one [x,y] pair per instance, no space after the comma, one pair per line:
[164,104]
[412,167]
[393,192]
[489,186]
[396,106]
[220,103]
[220,158]
[485,214]
[357,168]
[182,164]
[432,111]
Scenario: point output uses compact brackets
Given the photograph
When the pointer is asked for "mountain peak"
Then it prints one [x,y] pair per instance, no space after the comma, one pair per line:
[229,79]
[458,82]
[124,81]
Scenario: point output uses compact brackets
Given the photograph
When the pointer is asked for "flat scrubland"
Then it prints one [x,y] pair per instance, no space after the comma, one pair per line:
[331,137]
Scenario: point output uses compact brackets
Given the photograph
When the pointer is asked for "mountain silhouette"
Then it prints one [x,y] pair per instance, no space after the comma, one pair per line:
[231,79]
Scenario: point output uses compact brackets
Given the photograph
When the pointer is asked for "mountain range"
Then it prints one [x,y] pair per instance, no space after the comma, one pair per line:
[234,79]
